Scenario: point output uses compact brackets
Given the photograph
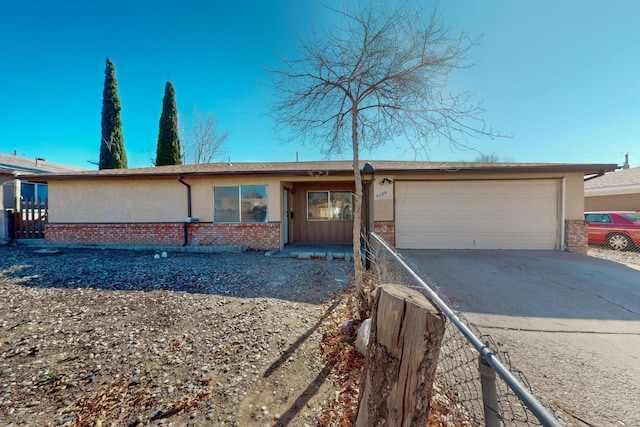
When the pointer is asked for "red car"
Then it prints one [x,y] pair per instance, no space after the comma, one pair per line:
[618,230]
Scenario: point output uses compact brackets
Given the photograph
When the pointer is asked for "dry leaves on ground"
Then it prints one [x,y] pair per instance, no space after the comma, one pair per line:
[343,366]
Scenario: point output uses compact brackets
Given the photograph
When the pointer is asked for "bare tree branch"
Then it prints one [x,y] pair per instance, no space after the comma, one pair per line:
[200,137]
[380,74]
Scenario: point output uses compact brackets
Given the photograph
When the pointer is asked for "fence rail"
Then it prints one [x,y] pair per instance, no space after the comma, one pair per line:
[469,360]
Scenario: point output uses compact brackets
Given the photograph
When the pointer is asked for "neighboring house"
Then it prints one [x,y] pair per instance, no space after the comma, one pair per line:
[12,164]
[268,205]
[615,191]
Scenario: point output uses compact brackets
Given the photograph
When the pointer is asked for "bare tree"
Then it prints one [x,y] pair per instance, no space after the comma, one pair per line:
[200,137]
[379,75]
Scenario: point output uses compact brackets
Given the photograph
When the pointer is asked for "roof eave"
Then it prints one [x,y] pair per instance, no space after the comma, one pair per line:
[434,167]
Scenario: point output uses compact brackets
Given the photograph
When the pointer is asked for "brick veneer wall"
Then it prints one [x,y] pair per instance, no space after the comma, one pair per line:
[263,236]
[115,234]
[256,236]
[386,230]
[576,236]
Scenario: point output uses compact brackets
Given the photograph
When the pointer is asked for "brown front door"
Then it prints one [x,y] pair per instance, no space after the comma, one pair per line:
[323,212]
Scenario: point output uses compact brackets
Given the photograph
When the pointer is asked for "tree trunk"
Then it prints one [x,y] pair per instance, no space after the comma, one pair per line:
[357,208]
[402,355]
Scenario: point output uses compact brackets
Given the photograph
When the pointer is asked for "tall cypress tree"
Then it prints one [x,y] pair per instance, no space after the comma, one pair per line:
[112,152]
[168,152]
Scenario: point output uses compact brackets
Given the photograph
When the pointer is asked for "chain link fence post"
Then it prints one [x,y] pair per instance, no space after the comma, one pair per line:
[489,394]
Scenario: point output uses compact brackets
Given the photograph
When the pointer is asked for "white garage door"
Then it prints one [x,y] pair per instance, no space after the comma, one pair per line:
[477,214]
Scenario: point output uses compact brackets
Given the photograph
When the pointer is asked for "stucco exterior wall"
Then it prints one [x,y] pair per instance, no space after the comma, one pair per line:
[117,200]
[574,197]
[382,200]
[145,199]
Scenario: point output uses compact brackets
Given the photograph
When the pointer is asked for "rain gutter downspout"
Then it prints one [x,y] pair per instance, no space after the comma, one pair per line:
[597,175]
[188,219]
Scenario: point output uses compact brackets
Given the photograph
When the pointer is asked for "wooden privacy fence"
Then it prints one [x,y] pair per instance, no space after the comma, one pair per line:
[30,221]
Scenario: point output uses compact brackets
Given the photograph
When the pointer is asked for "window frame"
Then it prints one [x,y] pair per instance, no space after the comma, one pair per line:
[328,207]
[36,191]
[242,219]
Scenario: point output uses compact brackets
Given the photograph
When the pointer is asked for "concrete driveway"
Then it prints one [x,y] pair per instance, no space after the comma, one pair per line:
[570,322]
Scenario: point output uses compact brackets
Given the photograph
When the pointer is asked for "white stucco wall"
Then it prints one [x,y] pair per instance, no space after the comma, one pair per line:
[145,199]
[574,196]
[117,200]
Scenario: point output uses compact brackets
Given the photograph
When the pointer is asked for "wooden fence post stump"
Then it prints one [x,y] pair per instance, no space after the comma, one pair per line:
[402,355]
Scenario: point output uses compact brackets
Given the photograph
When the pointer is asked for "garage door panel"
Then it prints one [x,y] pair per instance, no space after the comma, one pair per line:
[479,214]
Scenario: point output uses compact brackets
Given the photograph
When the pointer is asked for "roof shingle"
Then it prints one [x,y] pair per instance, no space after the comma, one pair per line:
[10,164]
[624,177]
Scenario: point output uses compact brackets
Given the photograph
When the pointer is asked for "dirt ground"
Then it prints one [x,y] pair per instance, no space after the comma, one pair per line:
[117,338]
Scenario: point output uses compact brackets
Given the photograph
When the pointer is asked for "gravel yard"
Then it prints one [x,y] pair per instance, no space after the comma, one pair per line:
[104,337]
[624,257]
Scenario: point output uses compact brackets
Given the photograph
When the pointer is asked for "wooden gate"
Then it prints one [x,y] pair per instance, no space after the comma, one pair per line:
[29,223]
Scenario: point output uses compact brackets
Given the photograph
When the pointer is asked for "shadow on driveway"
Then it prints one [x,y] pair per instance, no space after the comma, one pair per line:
[571,322]
[547,284]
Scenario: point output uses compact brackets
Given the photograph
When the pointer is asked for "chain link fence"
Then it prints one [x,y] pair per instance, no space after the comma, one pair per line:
[469,359]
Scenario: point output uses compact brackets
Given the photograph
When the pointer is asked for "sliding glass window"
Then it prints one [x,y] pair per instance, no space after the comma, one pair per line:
[240,203]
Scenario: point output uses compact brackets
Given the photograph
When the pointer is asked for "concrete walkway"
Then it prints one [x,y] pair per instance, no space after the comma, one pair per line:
[327,251]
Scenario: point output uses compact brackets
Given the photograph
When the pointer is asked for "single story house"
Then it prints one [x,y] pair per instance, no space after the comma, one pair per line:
[452,205]
[615,191]
[11,164]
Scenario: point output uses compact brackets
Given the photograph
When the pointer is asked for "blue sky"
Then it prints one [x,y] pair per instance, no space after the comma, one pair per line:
[562,76]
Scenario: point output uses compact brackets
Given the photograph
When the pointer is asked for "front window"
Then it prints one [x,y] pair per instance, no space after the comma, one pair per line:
[240,203]
[329,205]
